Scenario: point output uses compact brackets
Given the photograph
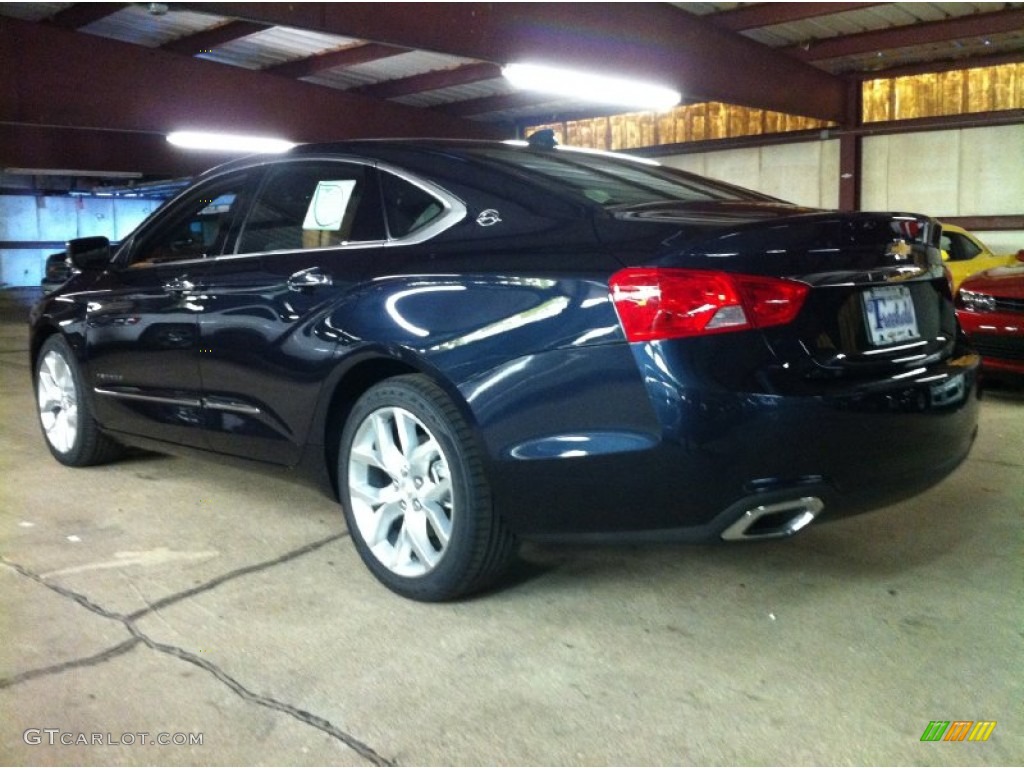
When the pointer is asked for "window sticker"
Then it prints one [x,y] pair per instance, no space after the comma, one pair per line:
[327,208]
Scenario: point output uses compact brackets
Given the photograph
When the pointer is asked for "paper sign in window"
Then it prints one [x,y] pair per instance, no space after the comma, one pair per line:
[327,208]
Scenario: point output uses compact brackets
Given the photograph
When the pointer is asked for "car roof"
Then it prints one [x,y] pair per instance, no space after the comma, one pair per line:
[368,145]
[428,155]
[372,149]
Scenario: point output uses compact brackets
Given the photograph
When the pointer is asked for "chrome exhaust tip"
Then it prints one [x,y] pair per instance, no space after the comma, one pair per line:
[774,520]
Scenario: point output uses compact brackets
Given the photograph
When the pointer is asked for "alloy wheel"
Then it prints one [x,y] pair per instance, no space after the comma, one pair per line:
[401,491]
[58,401]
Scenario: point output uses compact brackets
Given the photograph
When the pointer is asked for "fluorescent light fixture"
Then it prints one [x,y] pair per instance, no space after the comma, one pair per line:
[226,142]
[590,87]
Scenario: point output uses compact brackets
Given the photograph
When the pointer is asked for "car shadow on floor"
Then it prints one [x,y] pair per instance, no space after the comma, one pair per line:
[1005,388]
[944,522]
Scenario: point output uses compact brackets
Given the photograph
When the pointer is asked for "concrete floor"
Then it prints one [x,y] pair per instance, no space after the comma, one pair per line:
[164,595]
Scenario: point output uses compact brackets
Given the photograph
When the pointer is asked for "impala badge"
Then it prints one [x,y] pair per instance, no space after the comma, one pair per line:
[488,218]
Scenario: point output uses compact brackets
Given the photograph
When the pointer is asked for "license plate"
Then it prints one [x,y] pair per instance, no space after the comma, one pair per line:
[889,312]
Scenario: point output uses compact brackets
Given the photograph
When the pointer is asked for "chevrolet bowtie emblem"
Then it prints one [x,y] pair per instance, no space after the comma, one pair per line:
[900,249]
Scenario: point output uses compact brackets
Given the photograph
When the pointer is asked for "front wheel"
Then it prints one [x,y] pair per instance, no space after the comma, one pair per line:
[415,495]
[65,413]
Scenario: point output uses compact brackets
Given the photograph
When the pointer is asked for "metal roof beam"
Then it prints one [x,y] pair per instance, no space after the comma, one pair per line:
[488,104]
[432,81]
[977,25]
[935,67]
[33,146]
[346,57]
[652,41]
[208,39]
[770,14]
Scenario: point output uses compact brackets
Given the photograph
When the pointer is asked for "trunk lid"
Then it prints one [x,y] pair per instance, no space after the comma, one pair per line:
[879,300]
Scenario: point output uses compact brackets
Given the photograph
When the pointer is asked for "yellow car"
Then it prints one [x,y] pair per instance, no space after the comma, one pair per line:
[965,254]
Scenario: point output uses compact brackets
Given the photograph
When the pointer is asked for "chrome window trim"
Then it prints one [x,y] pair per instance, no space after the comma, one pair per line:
[148,398]
[214,403]
[361,245]
[231,406]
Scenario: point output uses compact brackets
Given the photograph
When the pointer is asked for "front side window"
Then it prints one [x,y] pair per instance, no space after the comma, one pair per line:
[314,205]
[197,229]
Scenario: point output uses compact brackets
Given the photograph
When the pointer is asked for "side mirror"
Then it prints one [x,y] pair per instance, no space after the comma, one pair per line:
[945,255]
[89,253]
[1020,255]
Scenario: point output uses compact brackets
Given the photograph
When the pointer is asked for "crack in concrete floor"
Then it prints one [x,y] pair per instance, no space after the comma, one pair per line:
[141,638]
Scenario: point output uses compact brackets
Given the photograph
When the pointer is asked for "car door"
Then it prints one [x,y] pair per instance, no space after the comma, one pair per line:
[142,330]
[314,229]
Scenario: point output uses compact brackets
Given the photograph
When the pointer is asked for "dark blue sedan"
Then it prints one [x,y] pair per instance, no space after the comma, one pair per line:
[475,343]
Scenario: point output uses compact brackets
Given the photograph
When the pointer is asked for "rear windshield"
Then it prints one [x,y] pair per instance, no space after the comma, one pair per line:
[614,182]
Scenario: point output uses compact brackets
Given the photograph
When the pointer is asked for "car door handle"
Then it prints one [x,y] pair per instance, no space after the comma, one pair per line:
[308,278]
[179,285]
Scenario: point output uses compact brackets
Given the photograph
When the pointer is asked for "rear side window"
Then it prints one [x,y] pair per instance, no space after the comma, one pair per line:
[613,182]
[408,207]
[314,205]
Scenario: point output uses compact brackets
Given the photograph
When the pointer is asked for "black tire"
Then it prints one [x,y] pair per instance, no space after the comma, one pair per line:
[425,524]
[64,407]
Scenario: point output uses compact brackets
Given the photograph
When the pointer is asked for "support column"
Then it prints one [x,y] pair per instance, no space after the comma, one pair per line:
[849,171]
[850,151]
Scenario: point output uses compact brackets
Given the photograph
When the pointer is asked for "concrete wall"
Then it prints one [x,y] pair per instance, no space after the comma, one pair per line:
[806,173]
[27,218]
[965,172]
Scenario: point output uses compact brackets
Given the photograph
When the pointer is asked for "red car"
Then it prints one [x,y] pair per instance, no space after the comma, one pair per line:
[990,307]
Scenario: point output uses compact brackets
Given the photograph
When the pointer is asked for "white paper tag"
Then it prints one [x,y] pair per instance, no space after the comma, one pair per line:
[328,206]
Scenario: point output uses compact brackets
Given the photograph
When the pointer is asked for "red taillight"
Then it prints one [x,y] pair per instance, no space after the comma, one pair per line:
[672,303]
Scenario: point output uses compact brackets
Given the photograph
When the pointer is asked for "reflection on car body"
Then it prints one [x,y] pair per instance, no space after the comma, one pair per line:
[56,272]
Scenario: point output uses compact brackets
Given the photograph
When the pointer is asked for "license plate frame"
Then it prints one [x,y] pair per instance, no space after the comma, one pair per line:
[889,315]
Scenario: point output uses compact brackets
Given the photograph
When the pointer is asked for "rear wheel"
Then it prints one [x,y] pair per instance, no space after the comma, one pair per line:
[416,499]
[65,412]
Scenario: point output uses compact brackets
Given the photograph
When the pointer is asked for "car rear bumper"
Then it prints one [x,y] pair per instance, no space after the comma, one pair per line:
[710,457]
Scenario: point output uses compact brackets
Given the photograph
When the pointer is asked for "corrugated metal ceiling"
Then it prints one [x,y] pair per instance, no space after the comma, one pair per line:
[392,68]
[276,45]
[495,87]
[32,11]
[134,24]
[957,50]
[882,16]
[137,24]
